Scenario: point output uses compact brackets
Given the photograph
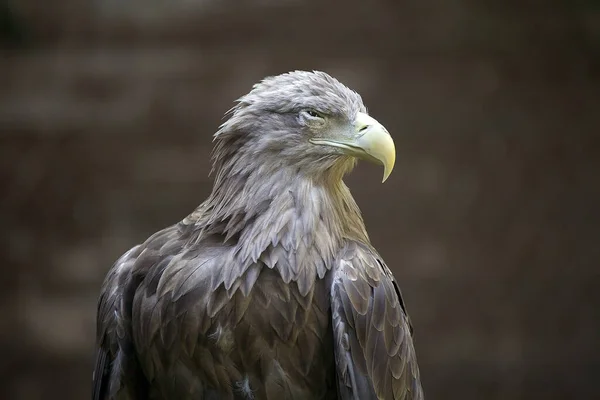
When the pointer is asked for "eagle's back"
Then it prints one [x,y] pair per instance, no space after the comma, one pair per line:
[199,332]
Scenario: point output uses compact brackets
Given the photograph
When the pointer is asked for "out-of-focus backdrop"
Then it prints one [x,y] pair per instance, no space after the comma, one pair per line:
[489,222]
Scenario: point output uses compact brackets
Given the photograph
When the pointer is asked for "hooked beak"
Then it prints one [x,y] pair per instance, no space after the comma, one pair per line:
[370,141]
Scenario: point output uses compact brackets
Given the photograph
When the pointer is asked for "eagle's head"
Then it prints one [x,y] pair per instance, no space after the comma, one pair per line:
[306,121]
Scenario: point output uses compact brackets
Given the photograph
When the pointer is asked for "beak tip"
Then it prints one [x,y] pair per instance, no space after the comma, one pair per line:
[386,175]
[388,165]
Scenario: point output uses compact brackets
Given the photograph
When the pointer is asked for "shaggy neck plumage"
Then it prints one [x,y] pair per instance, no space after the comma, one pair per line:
[261,198]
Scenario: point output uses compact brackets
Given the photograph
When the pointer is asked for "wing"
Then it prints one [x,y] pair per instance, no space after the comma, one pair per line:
[375,356]
[156,303]
[117,374]
[182,309]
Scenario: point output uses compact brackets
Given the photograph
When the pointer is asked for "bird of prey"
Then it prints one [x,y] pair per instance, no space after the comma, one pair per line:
[270,289]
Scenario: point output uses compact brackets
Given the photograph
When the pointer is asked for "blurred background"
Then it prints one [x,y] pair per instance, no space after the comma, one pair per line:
[490,221]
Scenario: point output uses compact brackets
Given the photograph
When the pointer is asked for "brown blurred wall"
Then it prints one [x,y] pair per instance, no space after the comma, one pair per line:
[490,220]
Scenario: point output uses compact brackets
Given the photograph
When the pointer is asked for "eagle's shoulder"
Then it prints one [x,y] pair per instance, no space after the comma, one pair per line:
[374,350]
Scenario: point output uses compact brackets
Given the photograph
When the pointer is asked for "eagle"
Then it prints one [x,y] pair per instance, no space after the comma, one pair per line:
[271,288]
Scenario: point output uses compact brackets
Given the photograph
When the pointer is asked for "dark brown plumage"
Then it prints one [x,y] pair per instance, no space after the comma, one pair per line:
[270,289]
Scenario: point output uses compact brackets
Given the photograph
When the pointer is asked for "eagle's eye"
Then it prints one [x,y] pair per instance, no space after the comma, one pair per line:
[313,114]
[311,118]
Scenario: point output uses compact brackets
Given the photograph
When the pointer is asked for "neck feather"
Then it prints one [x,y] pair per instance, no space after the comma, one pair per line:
[281,216]
[278,201]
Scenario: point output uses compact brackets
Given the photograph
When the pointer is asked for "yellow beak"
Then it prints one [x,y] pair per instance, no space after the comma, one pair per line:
[371,142]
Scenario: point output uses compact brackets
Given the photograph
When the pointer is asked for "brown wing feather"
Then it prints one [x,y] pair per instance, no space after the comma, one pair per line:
[375,356]
[197,338]
[116,374]
[201,323]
